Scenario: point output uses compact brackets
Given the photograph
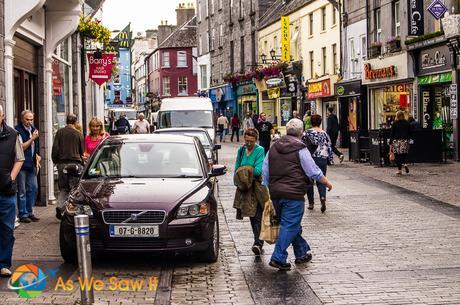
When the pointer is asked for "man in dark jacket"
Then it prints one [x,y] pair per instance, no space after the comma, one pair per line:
[333,131]
[11,160]
[68,148]
[123,125]
[287,170]
[27,178]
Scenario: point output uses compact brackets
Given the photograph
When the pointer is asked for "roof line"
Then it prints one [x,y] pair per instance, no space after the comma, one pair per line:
[176,30]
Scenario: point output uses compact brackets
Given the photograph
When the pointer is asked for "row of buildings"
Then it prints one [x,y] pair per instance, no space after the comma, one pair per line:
[366,59]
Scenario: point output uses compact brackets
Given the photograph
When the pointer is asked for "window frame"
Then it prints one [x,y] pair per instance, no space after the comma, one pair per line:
[323,19]
[163,59]
[163,87]
[378,24]
[179,84]
[311,20]
[182,55]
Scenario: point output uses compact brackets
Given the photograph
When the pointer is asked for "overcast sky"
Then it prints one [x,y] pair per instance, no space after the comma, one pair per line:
[143,14]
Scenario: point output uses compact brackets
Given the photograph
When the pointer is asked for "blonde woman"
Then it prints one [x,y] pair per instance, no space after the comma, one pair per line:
[399,141]
[95,136]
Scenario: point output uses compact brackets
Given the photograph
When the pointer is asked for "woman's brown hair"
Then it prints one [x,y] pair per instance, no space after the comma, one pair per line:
[98,122]
[316,120]
[251,132]
[400,116]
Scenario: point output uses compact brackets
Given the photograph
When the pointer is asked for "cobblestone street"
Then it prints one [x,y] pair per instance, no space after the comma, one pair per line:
[377,243]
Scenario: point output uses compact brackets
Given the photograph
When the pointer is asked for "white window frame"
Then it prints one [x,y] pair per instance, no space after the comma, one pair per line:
[311,55]
[179,84]
[334,58]
[378,25]
[323,18]
[165,63]
[397,19]
[363,41]
[198,10]
[166,90]
[311,23]
[181,56]
[221,35]
[334,16]
[204,76]
[323,60]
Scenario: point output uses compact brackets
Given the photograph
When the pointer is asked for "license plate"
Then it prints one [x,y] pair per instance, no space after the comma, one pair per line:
[134,231]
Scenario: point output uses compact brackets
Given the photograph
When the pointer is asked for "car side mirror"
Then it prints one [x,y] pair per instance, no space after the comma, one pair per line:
[217,147]
[73,170]
[218,170]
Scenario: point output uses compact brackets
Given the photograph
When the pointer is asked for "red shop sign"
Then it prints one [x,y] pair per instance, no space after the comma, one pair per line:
[319,89]
[100,69]
[57,81]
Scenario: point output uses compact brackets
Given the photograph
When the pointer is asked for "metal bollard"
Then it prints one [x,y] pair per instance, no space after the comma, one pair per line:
[84,256]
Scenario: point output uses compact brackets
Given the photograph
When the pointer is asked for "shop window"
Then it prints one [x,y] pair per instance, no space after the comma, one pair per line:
[60,85]
[387,101]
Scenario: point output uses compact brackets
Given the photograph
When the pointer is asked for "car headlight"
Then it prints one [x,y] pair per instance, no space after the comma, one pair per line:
[193,210]
[74,209]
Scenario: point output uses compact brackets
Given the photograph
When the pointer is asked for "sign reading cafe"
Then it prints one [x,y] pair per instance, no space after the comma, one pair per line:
[416,17]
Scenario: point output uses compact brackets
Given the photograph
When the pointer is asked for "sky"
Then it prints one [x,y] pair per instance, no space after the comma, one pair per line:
[143,14]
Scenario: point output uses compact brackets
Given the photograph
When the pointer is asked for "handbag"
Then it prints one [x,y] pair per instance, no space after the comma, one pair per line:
[270,226]
[391,154]
[401,146]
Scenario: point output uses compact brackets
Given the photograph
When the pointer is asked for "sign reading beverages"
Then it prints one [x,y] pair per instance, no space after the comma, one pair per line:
[100,69]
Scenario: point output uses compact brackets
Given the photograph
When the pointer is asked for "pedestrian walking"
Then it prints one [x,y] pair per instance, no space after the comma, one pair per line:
[251,195]
[247,122]
[307,120]
[333,131]
[95,136]
[222,124]
[123,125]
[235,128]
[112,129]
[295,115]
[414,125]
[141,125]
[322,156]
[11,161]
[287,170]
[27,178]
[399,141]
[265,129]
[255,119]
[68,148]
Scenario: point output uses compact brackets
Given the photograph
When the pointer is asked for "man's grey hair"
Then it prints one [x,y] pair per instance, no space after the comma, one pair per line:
[24,112]
[294,128]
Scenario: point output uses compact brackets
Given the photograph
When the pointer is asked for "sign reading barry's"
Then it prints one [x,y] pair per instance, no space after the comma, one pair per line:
[100,69]
[415,8]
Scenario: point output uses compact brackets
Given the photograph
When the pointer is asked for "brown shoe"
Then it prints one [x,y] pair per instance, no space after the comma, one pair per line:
[25,220]
[34,218]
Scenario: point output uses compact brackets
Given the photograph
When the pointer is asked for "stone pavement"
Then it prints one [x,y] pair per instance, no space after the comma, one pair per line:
[376,244]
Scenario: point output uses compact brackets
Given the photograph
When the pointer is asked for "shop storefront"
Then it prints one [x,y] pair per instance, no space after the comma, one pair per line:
[223,100]
[321,97]
[353,109]
[246,96]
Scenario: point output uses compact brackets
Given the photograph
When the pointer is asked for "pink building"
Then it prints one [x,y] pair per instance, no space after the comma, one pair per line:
[172,67]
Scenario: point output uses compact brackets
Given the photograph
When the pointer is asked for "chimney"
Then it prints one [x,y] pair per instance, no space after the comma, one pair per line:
[184,12]
[164,30]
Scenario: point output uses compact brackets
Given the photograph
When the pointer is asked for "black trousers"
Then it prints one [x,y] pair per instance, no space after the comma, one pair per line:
[333,138]
[400,159]
[256,223]
[265,145]
[235,130]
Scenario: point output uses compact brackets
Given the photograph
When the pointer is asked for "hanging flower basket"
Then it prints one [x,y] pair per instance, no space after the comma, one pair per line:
[394,44]
[93,29]
[375,50]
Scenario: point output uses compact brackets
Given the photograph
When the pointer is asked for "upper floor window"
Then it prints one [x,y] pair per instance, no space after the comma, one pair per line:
[364,46]
[211,7]
[165,61]
[396,19]
[221,35]
[334,15]
[198,10]
[220,4]
[378,25]
[182,86]
[310,21]
[166,85]
[323,18]
[181,59]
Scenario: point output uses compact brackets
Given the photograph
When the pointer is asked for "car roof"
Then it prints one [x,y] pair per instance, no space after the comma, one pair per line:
[148,138]
[186,103]
[179,129]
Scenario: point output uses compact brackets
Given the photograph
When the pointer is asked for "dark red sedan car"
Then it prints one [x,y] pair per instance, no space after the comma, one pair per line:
[150,193]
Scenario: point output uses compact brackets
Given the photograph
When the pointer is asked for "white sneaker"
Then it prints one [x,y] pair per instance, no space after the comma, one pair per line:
[5,272]
[16,223]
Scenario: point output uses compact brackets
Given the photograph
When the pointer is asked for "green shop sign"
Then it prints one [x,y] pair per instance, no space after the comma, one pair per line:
[249,89]
[436,78]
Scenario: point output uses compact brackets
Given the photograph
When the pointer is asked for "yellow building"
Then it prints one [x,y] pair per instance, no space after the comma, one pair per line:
[315,43]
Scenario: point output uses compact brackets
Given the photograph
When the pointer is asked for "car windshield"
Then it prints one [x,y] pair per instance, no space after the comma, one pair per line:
[143,160]
[130,115]
[189,118]
[202,136]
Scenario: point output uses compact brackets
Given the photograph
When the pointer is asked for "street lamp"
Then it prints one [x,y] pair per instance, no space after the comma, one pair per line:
[273,54]
[264,58]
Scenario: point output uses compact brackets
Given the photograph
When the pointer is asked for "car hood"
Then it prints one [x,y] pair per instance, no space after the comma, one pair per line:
[136,193]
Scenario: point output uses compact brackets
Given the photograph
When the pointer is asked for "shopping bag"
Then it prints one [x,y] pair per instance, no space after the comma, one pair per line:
[391,155]
[270,227]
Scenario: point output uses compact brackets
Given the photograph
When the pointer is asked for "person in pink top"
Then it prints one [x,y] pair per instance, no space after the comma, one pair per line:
[95,136]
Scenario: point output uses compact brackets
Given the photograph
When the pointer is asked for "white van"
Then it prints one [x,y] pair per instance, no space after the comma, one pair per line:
[187,112]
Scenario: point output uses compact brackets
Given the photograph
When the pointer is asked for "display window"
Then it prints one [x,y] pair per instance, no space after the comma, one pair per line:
[387,101]
[269,107]
[353,114]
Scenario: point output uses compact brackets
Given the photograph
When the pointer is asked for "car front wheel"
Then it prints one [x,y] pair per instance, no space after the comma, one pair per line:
[211,254]
[68,251]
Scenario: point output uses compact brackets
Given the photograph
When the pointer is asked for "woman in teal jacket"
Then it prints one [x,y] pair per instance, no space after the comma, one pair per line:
[252,154]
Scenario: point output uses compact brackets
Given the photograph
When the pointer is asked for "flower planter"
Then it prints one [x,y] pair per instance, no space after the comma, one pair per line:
[394,46]
[375,51]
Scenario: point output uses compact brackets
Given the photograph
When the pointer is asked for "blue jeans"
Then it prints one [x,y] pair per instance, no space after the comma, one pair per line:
[27,192]
[322,164]
[7,218]
[290,213]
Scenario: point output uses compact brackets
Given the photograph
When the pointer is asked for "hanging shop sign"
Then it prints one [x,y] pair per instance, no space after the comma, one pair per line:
[437,9]
[285,39]
[436,59]
[348,89]
[100,69]
[386,72]
[274,82]
[319,89]
[273,93]
[57,80]
[415,8]
[453,90]
[415,103]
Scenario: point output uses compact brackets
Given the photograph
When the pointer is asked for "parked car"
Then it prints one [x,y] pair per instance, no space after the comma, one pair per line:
[210,147]
[150,193]
[187,112]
